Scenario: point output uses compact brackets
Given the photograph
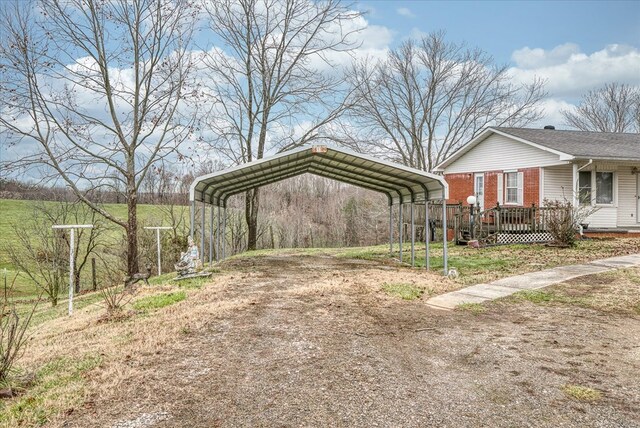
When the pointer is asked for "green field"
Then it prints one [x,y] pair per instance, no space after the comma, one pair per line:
[17,213]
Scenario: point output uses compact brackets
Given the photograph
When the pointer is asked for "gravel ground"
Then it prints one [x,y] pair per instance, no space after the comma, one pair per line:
[307,354]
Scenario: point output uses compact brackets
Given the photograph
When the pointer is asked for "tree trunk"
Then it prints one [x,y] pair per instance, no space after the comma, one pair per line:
[252,201]
[132,232]
[76,280]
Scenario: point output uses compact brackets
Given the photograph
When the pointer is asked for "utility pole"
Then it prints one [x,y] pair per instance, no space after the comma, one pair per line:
[72,260]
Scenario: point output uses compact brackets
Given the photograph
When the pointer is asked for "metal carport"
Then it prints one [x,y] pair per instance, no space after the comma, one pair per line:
[401,185]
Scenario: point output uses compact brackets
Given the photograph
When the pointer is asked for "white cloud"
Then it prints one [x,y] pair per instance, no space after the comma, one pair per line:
[571,72]
[406,12]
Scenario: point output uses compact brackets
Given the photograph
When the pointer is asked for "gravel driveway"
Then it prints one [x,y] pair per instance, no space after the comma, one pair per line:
[321,345]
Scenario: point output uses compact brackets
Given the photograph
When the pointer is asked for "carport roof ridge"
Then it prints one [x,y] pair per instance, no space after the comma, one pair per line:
[400,183]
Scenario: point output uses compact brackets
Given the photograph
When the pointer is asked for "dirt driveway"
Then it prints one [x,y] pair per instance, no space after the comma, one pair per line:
[319,344]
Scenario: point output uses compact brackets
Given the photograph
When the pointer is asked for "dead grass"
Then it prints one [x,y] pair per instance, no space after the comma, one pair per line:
[87,352]
[616,291]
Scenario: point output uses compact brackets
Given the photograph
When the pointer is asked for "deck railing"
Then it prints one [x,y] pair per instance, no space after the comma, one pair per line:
[510,224]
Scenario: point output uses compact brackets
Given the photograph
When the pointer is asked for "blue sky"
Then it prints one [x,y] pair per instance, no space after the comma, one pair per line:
[576,45]
[500,27]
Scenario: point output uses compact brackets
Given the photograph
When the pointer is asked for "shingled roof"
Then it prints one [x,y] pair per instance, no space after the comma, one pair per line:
[582,144]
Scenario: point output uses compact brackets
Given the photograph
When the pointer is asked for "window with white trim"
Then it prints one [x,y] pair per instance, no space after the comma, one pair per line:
[604,188]
[584,187]
[513,188]
[596,188]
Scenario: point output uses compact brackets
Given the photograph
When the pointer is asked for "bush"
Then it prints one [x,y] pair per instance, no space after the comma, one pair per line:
[563,220]
[13,327]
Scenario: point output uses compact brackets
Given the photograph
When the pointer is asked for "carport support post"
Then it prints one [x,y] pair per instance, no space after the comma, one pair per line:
[413,238]
[193,218]
[224,232]
[400,229]
[445,257]
[218,237]
[426,231]
[391,230]
[204,209]
[211,235]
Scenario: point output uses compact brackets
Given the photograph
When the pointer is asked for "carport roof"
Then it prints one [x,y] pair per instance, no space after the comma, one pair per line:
[398,182]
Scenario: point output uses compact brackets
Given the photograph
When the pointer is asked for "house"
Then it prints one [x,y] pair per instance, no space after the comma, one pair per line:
[522,166]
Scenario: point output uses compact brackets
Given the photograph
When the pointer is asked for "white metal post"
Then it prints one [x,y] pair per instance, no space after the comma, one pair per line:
[445,256]
[204,209]
[72,263]
[224,232]
[427,231]
[211,236]
[159,254]
[218,236]
[400,229]
[72,266]
[413,238]
[158,243]
[390,230]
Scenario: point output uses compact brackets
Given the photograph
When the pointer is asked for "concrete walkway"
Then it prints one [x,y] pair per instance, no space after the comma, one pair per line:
[529,281]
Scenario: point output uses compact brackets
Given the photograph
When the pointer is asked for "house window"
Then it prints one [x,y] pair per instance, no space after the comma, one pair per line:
[584,187]
[604,187]
[598,186]
[512,188]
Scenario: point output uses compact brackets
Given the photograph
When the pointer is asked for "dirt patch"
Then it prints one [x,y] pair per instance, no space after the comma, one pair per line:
[315,341]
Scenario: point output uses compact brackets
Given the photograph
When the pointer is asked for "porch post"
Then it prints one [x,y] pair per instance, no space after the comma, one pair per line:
[576,189]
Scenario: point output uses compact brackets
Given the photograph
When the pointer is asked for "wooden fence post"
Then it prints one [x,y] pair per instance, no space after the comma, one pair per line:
[93,274]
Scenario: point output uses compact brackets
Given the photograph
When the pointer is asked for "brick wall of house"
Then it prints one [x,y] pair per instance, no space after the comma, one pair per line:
[461,186]
[531,186]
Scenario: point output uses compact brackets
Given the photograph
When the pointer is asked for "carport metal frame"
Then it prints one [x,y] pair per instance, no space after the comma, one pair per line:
[402,185]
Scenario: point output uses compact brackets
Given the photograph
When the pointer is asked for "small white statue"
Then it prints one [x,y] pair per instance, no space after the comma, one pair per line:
[189,260]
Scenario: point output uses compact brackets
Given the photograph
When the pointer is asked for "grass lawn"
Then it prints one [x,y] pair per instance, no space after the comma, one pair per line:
[13,211]
[484,264]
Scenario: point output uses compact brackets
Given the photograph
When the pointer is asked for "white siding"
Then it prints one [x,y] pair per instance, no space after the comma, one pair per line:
[627,197]
[558,183]
[604,217]
[497,152]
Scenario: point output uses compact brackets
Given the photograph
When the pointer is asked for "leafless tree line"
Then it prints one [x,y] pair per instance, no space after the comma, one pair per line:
[114,93]
[613,108]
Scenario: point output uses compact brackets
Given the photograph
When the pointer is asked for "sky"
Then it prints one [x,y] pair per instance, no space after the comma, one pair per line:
[576,45]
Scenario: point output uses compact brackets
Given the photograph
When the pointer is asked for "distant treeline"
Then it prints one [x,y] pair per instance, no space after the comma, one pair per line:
[15,189]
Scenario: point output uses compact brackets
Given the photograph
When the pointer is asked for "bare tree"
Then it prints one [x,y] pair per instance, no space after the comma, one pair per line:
[613,108]
[430,96]
[91,92]
[275,85]
[43,253]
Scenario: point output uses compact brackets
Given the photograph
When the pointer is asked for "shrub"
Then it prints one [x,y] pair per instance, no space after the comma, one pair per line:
[563,220]
[13,327]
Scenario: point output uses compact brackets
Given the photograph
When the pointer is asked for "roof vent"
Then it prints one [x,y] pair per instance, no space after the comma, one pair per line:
[549,127]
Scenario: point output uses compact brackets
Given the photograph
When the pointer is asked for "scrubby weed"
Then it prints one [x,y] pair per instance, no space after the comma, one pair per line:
[13,327]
